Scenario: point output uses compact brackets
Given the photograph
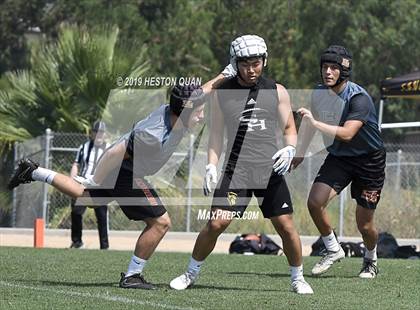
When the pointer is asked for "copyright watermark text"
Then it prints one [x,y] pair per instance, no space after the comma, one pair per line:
[156,81]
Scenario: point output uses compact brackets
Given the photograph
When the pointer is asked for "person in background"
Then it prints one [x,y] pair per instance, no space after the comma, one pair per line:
[87,157]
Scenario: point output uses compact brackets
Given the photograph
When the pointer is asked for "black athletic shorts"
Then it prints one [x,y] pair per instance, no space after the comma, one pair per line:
[366,174]
[234,191]
[137,199]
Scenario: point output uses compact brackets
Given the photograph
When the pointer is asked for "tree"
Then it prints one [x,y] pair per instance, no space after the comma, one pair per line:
[180,42]
[68,84]
[16,17]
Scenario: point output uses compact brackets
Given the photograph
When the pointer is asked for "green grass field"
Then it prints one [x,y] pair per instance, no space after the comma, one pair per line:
[88,279]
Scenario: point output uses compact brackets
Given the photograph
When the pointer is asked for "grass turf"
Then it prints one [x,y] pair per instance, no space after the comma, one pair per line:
[88,279]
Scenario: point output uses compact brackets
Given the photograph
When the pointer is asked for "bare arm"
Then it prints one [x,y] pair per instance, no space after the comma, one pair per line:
[74,170]
[213,83]
[283,157]
[305,136]
[286,116]
[343,133]
[111,159]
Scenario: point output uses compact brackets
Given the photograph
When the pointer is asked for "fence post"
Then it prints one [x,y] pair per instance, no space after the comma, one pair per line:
[380,114]
[190,165]
[397,184]
[48,137]
[14,198]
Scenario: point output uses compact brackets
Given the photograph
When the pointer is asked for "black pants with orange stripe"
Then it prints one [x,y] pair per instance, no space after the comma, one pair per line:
[135,196]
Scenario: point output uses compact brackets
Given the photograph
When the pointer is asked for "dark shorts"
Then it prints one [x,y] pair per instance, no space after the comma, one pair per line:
[234,191]
[137,199]
[365,173]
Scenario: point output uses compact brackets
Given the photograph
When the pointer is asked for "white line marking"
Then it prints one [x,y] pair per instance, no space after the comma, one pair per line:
[97,296]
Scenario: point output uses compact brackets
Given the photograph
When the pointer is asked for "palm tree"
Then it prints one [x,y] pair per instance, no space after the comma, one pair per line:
[66,88]
[68,83]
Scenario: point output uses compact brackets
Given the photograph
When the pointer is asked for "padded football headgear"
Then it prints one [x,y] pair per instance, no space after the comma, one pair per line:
[184,99]
[342,57]
[247,46]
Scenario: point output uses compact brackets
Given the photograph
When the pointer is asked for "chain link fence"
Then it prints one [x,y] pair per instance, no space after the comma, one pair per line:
[398,212]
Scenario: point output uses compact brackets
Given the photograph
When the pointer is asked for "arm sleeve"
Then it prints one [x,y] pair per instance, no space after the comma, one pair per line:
[359,108]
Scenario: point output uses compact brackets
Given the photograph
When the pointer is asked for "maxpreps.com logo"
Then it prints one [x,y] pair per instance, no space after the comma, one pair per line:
[252,122]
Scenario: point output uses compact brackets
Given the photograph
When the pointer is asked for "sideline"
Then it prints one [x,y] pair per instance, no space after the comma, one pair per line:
[125,240]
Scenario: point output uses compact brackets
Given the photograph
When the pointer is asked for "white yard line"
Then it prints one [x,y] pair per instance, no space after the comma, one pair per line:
[95,296]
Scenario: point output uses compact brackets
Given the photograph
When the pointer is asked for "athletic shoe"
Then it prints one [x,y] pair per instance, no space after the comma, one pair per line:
[327,261]
[301,287]
[183,282]
[135,281]
[369,269]
[23,173]
[77,245]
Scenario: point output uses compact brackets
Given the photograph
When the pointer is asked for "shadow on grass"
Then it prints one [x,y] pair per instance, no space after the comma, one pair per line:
[286,275]
[165,286]
[72,284]
[272,275]
[332,276]
[160,286]
[227,288]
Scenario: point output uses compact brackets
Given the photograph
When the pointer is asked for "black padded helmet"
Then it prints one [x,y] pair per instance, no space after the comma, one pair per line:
[184,99]
[342,57]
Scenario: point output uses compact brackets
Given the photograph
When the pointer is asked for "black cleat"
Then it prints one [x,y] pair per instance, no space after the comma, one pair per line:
[369,270]
[77,245]
[135,281]
[23,173]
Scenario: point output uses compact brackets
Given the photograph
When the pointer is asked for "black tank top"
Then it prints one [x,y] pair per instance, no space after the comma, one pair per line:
[260,141]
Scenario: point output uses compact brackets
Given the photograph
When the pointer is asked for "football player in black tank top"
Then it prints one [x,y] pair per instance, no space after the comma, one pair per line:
[250,107]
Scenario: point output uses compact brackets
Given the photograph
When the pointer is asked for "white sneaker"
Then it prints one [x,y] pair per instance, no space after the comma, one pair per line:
[369,269]
[327,261]
[183,282]
[301,287]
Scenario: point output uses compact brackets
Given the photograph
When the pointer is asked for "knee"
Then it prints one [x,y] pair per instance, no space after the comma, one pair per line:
[216,227]
[286,227]
[314,203]
[365,228]
[163,224]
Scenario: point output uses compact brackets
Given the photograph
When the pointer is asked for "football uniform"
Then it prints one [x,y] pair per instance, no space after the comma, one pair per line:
[360,161]
[150,144]
[252,123]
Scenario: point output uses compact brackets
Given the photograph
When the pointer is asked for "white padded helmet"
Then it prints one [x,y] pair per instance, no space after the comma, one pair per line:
[247,46]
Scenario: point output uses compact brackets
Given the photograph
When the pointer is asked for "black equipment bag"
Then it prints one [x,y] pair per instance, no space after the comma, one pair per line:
[253,243]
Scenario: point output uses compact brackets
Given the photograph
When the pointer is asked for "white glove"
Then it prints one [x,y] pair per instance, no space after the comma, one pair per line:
[283,159]
[229,71]
[86,182]
[211,177]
